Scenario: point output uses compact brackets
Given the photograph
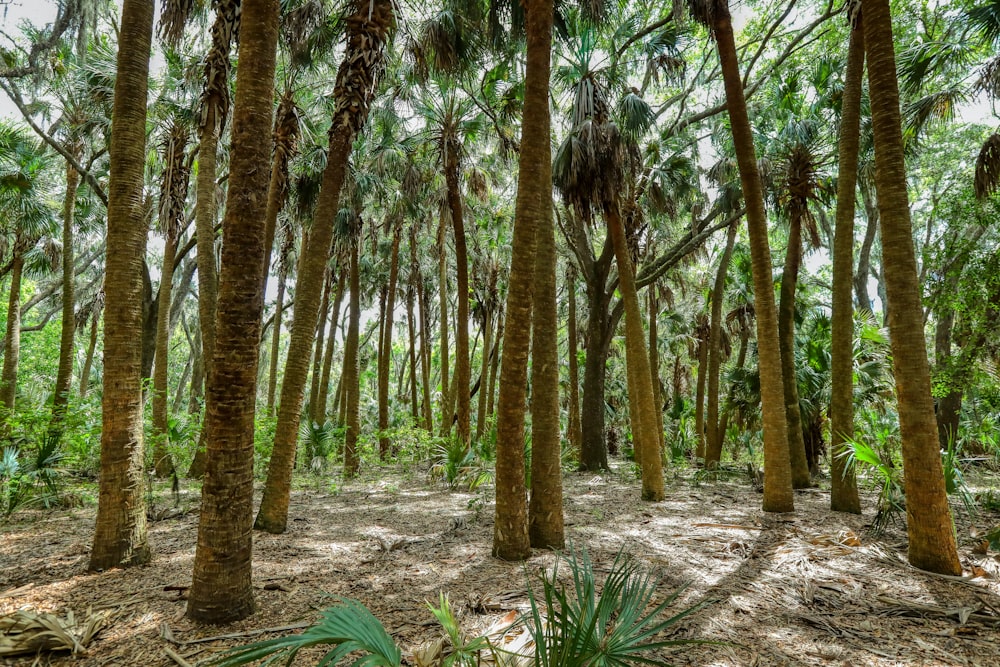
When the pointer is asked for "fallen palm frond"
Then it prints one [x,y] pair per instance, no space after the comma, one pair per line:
[25,632]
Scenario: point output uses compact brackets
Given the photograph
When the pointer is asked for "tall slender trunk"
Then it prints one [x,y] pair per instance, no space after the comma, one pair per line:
[863,272]
[163,465]
[545,511]
[463,370]
[221,589]
[484,373]
[88,362]
[324,382]
[279,310]
[317,365]
[495,367]
[702,336]
[594,449]
[425,359]
[357,80]
[929,523]
[778,495]
[411,329]
[64,375]
[654,366]
[120,530]
[575,434]
[533,203]
[350,377]
[713,453]
[786,335]
[385,347]
[443,338]
[843,481]
[641,401]
[12,347]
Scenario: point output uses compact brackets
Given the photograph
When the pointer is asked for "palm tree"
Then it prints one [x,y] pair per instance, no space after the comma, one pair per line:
[843,481]
[778,495]
[714,435]
[120,532]
[212,121]
[64,375]
[533,204]
[369,26]
[221,589]
[173,194]
[385,344]
[929,525]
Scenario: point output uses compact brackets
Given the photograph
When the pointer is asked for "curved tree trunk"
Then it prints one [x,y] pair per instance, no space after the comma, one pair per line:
[120,531]
[357,81]
[786,334]
[221,589]
[642,404]
[843,481]
[929,524]
[88,362]
[385,348]
[713,451]
[778,495]
[545,511]
[64,376]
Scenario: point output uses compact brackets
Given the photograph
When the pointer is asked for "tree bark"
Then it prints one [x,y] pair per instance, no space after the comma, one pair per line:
[575,433]
[120,531]
[801,478]
[929,524]
[713,453]
[12,345]
[317,364]
[324,382]
[778,495]
[350,377]
[385,347]
[221,589]
[843,480]
[443,337]
[64,375]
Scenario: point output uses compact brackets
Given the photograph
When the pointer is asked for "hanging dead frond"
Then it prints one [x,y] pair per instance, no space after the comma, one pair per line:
[298,27]
[477,183]
[368,30]
[174,16]
[988,167]
[174,184]
[215,98]
[286,139]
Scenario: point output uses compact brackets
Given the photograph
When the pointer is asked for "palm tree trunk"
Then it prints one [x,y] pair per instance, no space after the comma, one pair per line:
[350,376]
[12,347]
[713,453]
[385,348]
[699,396]
[221,589]
[425,359]
[641,402]
[495,367]
[279,308]
[88,362]
[929,524]
[463,370]
[317,365]
[533,204]
[64,376]
[594,450]
[484,373]
[778,495]
[654,366]
[162,463]
[357,80]
[443,309]
[120,531]
[324,382]
[786,334]
[412,331]
[861,275]
[545,511]
[843,481]
[575,435]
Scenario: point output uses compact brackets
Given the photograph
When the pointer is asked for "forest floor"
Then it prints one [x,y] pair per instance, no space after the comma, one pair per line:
[809,588]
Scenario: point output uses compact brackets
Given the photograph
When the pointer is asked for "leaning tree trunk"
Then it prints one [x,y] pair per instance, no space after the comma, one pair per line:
[120,531]
[778,495]
[64,376]
[545,510]
[843,481]
[385,348]
[532,205]
[713,450]
[368,29]
[641,401]
[221,589]
[786,334]
[317,365]
[929,523]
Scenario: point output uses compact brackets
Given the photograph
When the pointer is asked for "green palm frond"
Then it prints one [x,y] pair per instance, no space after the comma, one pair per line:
[985,17]
[348,626]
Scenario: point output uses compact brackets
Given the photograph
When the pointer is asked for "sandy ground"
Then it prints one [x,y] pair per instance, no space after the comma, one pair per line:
[809,588]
